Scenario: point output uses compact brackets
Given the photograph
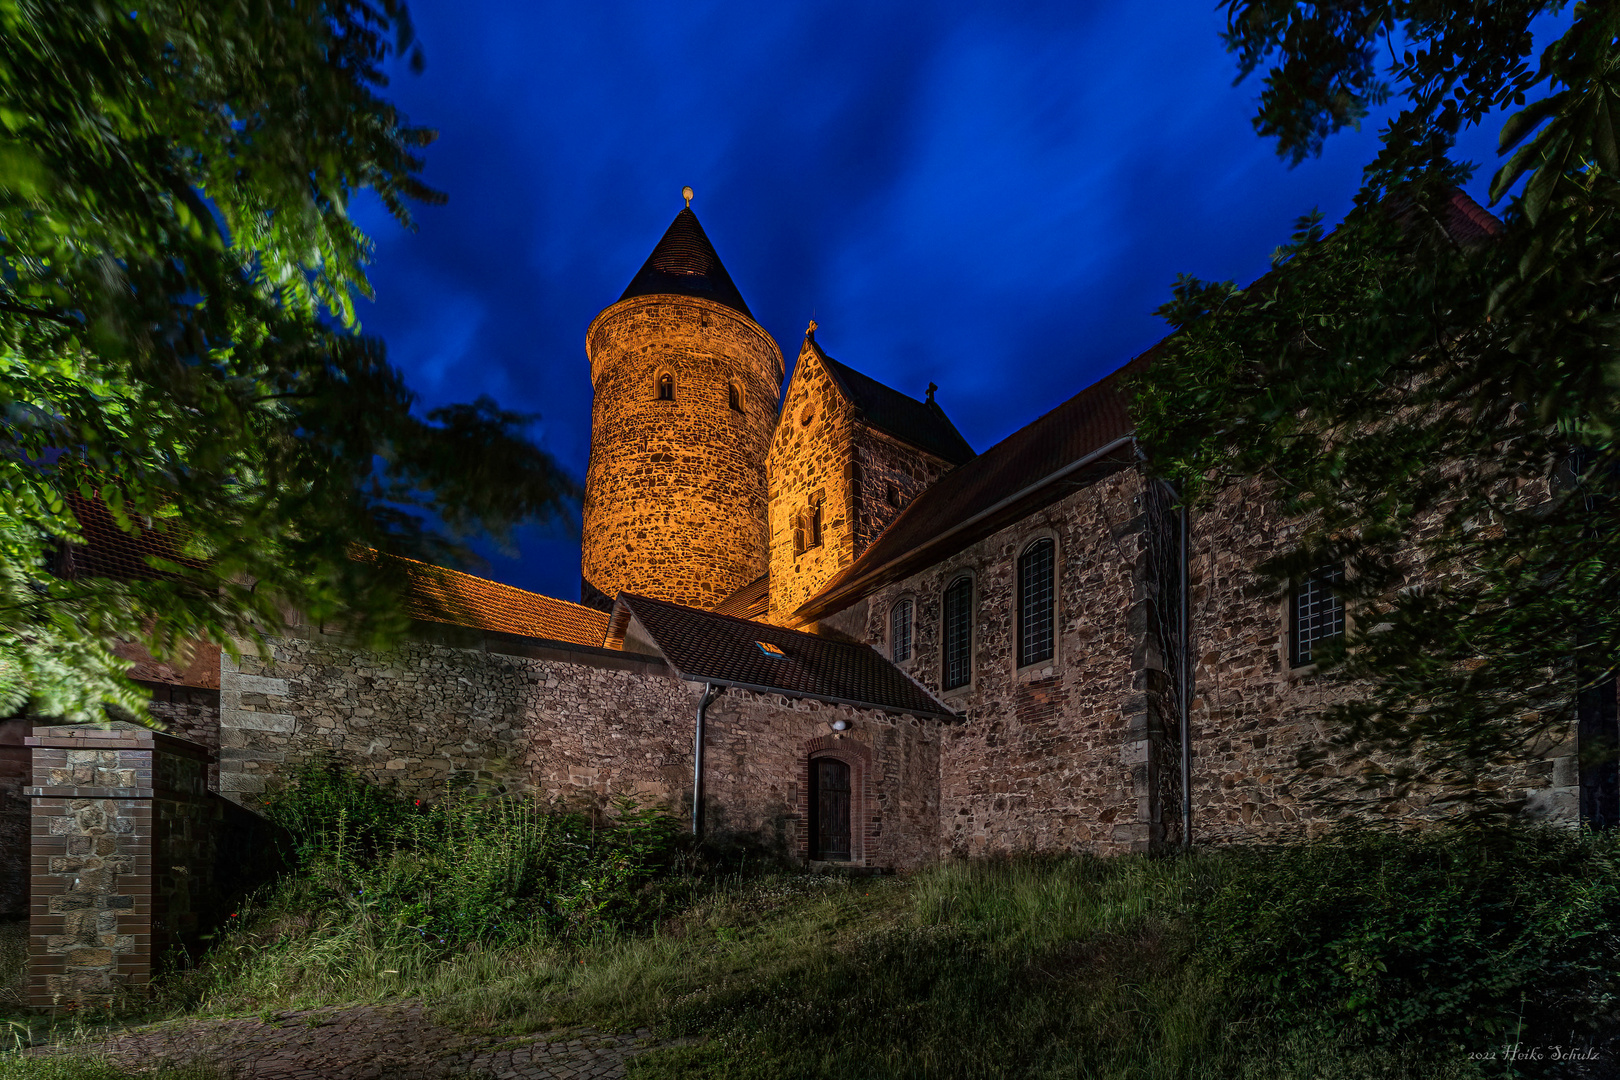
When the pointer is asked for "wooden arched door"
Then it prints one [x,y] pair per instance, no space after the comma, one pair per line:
[829,810]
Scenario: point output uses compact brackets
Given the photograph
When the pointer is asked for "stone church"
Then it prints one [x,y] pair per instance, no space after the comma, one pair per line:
[812,616]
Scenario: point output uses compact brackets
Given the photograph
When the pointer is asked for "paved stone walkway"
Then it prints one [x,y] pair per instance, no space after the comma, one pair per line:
[365,1043]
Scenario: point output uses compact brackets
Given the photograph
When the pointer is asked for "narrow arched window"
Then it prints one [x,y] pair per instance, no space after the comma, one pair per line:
[666,387]
[1036,603]
[958,652]
[900,631]
[812,527]
[734,397]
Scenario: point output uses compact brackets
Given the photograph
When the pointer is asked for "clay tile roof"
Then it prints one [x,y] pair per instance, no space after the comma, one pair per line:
[449,596]
[975,499]
[685,263]
[1470,223]
[749,602]
[110,552]
[703,646]
[923,424]
[437,595]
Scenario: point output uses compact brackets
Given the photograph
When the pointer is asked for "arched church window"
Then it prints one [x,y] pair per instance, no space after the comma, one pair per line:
[734,397]
[812,530]
[1036,602]
[957,660]
[666,387]
[900,630]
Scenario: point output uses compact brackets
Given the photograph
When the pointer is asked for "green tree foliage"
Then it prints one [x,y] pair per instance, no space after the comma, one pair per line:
[178,339]
[1437,403]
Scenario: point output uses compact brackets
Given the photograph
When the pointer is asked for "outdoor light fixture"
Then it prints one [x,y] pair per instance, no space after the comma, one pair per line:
[840,725]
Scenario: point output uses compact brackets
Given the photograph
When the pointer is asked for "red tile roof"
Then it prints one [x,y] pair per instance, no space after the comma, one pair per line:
[437,594]
[751,601]
[458,599]
[110,552]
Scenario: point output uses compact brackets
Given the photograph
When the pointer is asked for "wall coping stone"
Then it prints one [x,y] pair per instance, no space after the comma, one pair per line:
[116,735]
[92,792]
[535,648]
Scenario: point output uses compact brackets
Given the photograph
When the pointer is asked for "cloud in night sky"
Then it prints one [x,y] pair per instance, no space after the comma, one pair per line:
[994,199]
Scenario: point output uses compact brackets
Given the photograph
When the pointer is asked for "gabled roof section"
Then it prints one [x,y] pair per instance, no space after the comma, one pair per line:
[457,599]
[923,424]
[110,552]
[703,646]
[1006,481]
[996,487]
[435,593]
[751,601]
[684,263]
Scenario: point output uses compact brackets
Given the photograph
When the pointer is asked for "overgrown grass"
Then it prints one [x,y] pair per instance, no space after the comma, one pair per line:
[13,963]
[1365,955]
[15,1068]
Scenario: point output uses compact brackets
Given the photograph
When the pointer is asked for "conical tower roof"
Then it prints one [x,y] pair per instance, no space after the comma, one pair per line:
[685,263]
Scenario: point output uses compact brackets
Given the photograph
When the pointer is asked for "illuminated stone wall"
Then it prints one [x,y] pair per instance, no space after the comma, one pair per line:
[1069,754]
[822,451]
[675,492]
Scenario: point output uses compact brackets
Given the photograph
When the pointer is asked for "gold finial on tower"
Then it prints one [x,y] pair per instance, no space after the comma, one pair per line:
[686,193]
[810,332]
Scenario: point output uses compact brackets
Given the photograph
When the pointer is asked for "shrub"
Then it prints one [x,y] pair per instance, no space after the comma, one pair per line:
[1448,944]
[470,867]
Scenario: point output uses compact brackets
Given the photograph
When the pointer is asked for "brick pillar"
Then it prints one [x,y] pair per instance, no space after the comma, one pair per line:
[14,758]
[121,861]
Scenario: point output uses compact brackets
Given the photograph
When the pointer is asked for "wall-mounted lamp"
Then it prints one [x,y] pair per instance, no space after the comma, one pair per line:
[840,725]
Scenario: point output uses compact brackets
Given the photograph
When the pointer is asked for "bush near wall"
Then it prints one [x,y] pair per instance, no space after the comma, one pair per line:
[471,867]
[1360,955]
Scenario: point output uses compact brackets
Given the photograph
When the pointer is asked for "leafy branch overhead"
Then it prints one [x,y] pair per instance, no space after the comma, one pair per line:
[1433,394]
[179,342]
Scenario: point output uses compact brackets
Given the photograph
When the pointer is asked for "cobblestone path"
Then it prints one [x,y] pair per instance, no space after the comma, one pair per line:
[365,1043]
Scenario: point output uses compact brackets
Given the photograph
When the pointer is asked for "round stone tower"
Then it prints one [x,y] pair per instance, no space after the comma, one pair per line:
[686,385]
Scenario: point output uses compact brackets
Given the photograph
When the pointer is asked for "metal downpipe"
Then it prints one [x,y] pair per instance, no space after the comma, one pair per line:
[710,692]
[1186,688]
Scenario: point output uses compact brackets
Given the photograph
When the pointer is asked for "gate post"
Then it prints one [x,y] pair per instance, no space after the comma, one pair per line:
[121,860]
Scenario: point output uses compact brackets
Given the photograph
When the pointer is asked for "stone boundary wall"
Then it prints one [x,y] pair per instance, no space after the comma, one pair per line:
[581,726]
[496,710]
[121,858]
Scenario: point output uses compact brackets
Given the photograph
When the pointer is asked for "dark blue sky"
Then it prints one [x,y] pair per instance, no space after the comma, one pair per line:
[994,198]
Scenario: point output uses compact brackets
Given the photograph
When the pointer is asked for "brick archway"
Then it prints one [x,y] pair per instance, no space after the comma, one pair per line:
[864,819]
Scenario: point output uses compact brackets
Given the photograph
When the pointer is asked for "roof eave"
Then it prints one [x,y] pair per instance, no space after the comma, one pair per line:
[695,677]
[828,602]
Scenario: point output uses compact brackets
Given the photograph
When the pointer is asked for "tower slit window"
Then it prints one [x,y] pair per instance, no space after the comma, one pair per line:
[734,397]
[1316,614]
[666,387]
[900,630]
[958,651]
[1036,603]
[812,524]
